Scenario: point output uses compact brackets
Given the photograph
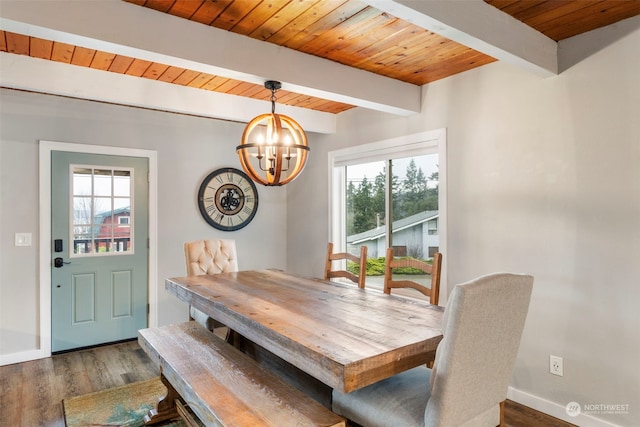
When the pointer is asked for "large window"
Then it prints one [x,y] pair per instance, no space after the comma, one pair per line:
[390,194]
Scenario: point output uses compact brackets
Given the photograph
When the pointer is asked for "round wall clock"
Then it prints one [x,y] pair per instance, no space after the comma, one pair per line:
[228,199]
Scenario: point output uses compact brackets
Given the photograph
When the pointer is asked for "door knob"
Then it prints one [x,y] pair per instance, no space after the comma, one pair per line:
[59,262]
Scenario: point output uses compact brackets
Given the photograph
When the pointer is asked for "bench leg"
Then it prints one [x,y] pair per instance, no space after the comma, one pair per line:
[165,408]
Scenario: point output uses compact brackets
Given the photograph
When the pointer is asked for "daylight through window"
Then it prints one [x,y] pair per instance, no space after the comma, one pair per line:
[389,195]
[102,214]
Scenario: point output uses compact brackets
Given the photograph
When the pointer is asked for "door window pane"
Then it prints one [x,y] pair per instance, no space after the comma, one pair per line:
[102,182]
[82,210]
[102,215]
[121,184]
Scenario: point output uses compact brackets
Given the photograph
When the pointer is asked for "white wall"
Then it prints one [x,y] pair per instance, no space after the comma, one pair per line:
[188,149]
[543,178]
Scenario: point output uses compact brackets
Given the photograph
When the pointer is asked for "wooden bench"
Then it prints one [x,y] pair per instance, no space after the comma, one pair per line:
[223,386]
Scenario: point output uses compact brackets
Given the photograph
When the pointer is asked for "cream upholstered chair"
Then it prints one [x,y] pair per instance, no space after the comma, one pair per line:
[433,292]
[209,257]
[330,273]
[482,327]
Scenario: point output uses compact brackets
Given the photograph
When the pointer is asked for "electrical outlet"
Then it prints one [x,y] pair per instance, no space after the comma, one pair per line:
[555,365]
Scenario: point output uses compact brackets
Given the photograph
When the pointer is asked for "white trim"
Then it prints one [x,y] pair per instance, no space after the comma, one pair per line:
[443,209]
[45,149]
[404,146]
[555,410]
[336,210]
[23,356]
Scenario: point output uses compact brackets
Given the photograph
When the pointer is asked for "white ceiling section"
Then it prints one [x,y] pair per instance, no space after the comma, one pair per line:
[162,38]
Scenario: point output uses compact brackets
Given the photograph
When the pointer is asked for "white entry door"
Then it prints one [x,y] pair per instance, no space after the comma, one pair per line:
[99,266]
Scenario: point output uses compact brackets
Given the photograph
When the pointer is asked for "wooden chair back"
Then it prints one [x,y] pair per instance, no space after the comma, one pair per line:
[433,292]
[330,273]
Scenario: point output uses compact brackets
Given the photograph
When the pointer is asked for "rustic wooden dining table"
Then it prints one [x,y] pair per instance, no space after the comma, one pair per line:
[343,336]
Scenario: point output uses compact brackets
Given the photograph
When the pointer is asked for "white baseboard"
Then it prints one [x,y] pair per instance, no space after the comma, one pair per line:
[555,410]
[23,356]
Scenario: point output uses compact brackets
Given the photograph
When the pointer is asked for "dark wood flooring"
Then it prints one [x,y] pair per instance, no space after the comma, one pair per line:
[31,393]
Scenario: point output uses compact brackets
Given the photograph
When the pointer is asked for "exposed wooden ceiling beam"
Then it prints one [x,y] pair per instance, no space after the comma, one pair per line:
[482,27]
[122,28]
[33,74]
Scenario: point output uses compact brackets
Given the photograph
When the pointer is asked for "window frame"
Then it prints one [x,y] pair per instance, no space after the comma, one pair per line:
[72,168]
[428,142]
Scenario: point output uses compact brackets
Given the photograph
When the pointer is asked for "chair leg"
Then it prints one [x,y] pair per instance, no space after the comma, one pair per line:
[502,413]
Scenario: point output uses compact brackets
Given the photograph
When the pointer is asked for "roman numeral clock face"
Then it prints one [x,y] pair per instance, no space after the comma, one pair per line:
[228,199]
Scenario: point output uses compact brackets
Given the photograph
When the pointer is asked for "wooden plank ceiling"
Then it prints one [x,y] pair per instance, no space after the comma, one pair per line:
[346,31]
[561,19]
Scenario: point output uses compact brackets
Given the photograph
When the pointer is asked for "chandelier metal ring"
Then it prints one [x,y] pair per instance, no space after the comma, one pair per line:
[274,148]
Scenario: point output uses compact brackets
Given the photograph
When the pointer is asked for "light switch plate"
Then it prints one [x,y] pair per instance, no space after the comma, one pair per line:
[23,239]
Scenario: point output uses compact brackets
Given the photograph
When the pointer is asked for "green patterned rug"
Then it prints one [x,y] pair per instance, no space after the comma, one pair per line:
[120,406]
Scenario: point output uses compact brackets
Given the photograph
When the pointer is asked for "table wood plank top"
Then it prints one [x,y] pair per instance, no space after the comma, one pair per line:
[344,336]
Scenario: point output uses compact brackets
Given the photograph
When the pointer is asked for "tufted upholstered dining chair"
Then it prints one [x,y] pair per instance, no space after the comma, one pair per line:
[482,327]
[433,292]
[212,256]
[330,273]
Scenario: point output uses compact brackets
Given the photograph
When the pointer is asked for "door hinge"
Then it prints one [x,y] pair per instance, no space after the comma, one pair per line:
[148,308]
[148,244]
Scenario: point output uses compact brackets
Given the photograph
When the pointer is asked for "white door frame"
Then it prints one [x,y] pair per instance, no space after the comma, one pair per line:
[45,148]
